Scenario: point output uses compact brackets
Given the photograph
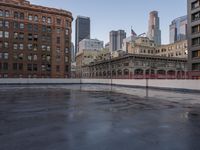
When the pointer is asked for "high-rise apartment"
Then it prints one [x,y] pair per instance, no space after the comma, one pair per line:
[35,41]
[82,30]
[116,39]
[154,32]
[178,29]
[194,37]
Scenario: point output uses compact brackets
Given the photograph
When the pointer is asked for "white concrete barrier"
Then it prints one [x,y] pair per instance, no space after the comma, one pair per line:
[162,84]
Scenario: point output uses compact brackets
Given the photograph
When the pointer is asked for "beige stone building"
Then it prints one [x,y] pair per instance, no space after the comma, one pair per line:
[178,49]
[142,45]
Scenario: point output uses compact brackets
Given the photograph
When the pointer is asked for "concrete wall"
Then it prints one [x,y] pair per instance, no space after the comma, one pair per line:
[163,84]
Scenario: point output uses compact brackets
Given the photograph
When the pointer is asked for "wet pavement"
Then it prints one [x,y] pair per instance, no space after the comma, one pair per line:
[92,117]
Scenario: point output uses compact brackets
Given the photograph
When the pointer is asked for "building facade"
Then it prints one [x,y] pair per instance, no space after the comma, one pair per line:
[178,29]
[82,30]
[90,44]
[116,39]
[154,32]
[35,41]
[137,66]
[72,52]
[177,49]
[194,37]
[142,45]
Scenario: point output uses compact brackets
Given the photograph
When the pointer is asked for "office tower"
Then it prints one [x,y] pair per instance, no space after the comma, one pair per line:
[116,39]
[194,37]
[82,30]
[90,44]
[34,40]
[154,32]
[178,29]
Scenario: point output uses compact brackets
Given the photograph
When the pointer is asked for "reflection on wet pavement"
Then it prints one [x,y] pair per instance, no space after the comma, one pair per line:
[91,117]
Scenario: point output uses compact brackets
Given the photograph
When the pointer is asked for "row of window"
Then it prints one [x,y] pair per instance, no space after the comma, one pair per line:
[195,4]
[31,17]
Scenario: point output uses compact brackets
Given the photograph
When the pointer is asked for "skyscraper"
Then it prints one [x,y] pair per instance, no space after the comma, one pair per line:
[116,39]
[154,32]
[82,30]
[194,37]
[178,29]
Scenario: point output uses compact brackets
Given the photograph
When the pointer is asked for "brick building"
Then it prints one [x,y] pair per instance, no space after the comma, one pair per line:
[35,41]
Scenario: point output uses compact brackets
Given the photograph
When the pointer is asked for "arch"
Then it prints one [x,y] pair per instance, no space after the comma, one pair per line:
[126,72]
[119,72]
[113,73]
[150,72]
[139,72]
[161,72]
[104,73]
[171,72]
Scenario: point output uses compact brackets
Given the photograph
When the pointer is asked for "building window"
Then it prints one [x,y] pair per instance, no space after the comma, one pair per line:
[14,66]
[30,17]
[5,44]
[58,40]
[48,48]
[34,67]
[195,41]
[29,67]
[21,46]
[30,27]
[16,15]
[43,47]
[20,66]
[21,36]
[196,16]
[1,13]
[1,34]
[16,25]
[43,19]
[58,30]
[48,20]
[15,35]
[196,29]
[195,4]
[21,25]
[35,47]
[35,37]
[30,37]
[7,13]
[196,67]
[30,46]
[49,29]
[1,23]
[6,34]
[35,28]
[67,32]
[35,18]
[58,21]
[5,66]
[35,57]
[15,46]
[6,23]
[21,16]
[196,54]
[43,28]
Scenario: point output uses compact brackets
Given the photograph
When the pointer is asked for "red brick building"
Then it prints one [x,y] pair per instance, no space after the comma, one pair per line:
[35,41]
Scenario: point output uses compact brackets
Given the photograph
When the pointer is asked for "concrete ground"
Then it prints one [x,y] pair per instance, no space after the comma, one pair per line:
[92,117]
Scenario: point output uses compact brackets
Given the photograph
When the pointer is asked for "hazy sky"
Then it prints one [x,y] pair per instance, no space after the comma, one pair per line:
[107,15]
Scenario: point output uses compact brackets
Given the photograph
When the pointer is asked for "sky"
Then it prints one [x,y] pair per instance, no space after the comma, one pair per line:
[107,15]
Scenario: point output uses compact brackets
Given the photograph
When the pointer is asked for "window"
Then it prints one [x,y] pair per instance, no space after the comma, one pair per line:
[58,30]
[16,15]
[5,66]
[196,29]
[196,54]
[7,13]
[43,19]
[48,29]
[20,66]
[43,47]
[58,40]
[49,20]
[66,50]
[1,23]
[36,18]
[1,13]
[30,27]
[35,37]
[15,35]
[67,24]
[29,67]
[196,67]
[67,32]
[1,34]
[58,49]
[30,46]
[6,34]
[35,47]
[22,16]
[5,44]
[35,28]
[29,57]
[21,46]
[20,57]
[6,24]
[15,66]
[34,57]
[48,48]
[30,37]
[34,67]
[21,36]
[15,46]
[195,4]
[58,21]
[48,58]
[21,25]
[43,28]
[196,16]
[5,55]
[195,41]
[16,25]
[30,17]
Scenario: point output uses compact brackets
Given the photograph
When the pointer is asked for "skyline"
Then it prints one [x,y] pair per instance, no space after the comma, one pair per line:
[130,11]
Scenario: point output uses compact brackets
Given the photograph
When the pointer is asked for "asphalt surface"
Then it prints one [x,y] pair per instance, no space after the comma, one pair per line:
[96,118]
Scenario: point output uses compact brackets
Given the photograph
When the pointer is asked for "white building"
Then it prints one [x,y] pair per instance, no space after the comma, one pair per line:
[90,44]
